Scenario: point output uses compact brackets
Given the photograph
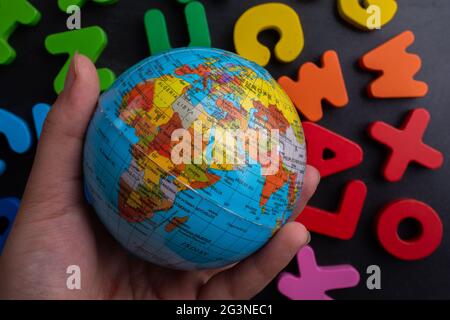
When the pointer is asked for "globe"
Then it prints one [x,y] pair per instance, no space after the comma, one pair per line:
[194,158]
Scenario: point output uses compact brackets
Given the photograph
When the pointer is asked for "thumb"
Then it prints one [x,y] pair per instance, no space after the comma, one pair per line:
[58,160]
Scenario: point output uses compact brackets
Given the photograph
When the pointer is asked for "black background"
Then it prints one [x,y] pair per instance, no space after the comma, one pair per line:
[29,80]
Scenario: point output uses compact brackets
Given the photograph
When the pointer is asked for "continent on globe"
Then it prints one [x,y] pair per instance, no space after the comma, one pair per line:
[176,222]
[194,158]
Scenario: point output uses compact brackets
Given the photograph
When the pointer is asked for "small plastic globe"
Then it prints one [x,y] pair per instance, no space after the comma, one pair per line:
[155,172]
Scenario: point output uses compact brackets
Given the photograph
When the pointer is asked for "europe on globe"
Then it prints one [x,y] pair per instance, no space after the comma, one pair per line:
[194,158]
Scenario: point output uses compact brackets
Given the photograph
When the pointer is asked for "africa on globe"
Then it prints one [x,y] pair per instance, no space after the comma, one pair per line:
[194,158]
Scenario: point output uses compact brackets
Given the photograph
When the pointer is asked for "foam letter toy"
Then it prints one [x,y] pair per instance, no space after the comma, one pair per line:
[276,16]
[421,246]
[89,41]
[13,13]
[341,224]
[314,281]
[40,112]
[315,84]
[397,68]
[64,4]
[197,24]
[352,12]
[346,153]
[8,212]
[16,131]
[406,145]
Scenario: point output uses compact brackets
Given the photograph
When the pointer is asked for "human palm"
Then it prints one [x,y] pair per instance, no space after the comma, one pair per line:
[56,229]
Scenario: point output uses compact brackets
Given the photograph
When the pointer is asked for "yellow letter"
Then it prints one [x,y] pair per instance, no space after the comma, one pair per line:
[277,16]
[362,17]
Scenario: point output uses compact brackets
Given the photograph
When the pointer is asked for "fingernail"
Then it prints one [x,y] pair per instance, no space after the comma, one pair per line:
[309,239]
[71,74]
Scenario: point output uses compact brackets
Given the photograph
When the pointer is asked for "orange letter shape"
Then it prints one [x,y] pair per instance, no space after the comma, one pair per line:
[316,84]
[398,69]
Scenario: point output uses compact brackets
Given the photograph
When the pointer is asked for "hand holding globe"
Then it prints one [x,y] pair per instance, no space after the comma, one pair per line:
[55,228]
[194,158]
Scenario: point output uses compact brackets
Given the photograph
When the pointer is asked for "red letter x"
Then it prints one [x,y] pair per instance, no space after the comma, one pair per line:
[406,144]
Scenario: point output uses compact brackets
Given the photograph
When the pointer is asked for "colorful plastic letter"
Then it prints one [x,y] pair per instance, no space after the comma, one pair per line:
[13,13]
[197,24]
[315,84]
[314,281]
[406,145]
[341,224]
[277,16]
[8,212]
[40,112]
[419,247]
[64,4]
[398,68]
[346,153]
[16,131]
[352,12]
[89,41]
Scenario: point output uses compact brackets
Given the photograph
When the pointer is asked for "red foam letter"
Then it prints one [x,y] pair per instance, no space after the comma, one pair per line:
[347,154]
[406,145]
[342,224]
[421,246]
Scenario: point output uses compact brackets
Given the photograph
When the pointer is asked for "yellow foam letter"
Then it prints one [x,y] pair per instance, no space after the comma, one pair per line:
[276,16]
